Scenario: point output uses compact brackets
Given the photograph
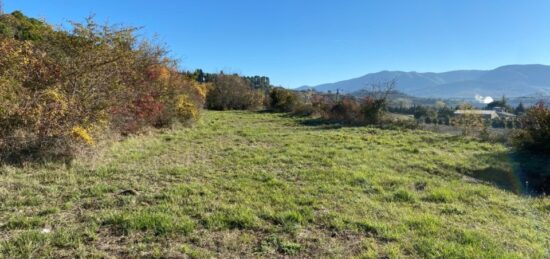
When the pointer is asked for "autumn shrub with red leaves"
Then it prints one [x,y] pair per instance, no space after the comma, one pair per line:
[63,89]
[145,111]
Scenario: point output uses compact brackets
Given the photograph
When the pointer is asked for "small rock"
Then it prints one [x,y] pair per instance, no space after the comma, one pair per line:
[46,230]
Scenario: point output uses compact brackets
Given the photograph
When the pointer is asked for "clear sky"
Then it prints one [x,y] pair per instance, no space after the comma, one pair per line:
[308,42]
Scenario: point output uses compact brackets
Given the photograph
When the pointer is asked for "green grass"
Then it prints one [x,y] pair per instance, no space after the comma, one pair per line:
[241,184]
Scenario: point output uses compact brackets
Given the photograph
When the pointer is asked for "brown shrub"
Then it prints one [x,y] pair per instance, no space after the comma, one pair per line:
[232,92]
[534,135]
[367,110]
[282,100]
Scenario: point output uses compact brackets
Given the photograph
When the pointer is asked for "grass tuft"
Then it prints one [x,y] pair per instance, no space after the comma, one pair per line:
[403,196]
[440,196]
[159,223]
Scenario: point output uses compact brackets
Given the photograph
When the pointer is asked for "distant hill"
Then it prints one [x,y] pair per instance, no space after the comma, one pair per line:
[512,81]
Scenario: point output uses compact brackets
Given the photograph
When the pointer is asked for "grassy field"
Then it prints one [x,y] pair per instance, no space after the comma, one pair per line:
[242,184]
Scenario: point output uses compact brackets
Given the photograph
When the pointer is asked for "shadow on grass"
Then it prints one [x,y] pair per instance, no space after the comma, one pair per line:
[23,158]
[535,170]
[504,179]
[383,123]
[324,124]
[266,111]
[530,174]
[320,124]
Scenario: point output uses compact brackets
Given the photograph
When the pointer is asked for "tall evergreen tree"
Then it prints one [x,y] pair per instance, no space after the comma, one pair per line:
[520,109]
[199,76]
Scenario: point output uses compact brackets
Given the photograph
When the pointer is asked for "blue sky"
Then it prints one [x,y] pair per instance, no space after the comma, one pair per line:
[307,42]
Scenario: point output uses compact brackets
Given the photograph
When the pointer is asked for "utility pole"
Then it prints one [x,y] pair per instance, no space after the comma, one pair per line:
[1,7]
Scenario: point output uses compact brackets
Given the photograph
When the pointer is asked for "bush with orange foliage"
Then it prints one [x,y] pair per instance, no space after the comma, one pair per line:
[62,89]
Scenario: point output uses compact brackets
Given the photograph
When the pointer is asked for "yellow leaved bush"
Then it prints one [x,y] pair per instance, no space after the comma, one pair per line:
[185,108]
[82,134]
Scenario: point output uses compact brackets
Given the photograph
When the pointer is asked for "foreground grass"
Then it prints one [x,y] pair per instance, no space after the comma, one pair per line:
[248,184]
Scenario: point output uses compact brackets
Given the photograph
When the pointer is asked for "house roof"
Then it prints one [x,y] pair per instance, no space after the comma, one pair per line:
[506,114]
[480,112]
[491,113]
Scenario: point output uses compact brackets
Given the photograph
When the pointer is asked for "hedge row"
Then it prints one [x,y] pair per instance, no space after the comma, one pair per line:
[63,89]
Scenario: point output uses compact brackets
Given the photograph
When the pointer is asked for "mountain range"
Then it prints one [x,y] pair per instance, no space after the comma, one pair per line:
[511,81]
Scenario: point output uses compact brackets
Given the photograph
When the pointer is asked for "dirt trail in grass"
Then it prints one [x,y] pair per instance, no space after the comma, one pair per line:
[250,184]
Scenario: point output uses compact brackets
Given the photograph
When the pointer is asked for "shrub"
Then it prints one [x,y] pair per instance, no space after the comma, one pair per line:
[533,142]
[367,110]
[282,100]
[60,88]
[145,110]
[346,110]
[231,92]
[372,109]
[304,109]
[534,135]
[322,104]
[185,109]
